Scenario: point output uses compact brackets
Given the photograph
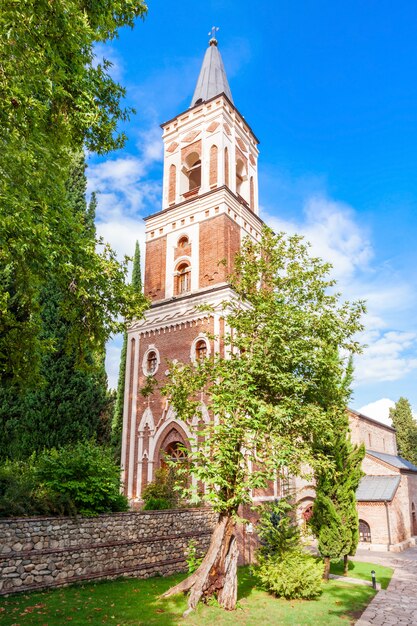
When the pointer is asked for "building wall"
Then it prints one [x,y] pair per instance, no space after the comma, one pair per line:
[52,552]
[375,436]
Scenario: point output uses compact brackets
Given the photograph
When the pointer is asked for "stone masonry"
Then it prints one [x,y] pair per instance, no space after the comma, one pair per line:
[37,553]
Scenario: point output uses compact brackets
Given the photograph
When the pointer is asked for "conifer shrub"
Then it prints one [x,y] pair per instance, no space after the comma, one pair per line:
[284,568]
[292,575]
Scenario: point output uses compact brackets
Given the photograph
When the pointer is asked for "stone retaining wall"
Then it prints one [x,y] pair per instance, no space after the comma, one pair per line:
[41,552]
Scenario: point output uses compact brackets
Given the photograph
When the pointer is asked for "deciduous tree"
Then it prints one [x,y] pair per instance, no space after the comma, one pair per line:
[55,102]
[276,389]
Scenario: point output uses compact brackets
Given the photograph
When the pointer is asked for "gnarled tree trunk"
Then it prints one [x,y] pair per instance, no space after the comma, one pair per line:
[217,574]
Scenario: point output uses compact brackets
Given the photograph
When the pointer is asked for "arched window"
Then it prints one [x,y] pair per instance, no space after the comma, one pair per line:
[183,242]
[183,278]
[172,184]
[252,194]
[151,362]
[240,176]
[226,167]
[200,349]
[364,531]
[193,171]
[213,165]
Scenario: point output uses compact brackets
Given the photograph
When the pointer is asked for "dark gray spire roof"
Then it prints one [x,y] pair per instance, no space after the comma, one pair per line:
[212,80]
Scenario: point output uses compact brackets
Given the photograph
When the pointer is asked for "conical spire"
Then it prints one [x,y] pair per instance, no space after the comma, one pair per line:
[212,80]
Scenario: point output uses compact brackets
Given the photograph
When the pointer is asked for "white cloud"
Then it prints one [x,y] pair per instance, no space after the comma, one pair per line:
[389,356]
[379,410]
[334,234]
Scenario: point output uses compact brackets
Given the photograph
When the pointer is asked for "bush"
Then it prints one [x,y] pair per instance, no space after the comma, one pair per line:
[157,504]
[277,528]
[292,575]
[81,479]
[161,493]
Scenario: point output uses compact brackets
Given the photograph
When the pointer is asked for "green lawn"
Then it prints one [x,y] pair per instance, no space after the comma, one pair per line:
[131,601]
[363,570]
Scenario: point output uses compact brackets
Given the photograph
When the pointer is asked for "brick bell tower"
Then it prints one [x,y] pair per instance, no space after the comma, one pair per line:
[209,204]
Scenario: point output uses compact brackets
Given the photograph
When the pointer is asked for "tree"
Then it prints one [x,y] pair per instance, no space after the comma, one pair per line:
[270,396]
[72,403]
[117,423]
[335,518]
[55,103]
[406,427]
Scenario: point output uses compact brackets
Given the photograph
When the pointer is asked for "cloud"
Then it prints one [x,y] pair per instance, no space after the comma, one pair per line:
[379,410]
[333,232]
[389,356]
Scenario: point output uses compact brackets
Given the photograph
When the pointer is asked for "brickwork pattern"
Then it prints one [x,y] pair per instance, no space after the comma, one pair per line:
[219,239]
[213,166]
[155,267]
[38,553]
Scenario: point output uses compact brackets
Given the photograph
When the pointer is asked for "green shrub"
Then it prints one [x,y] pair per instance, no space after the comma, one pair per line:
[157,504]
[18,489]
[292,575]
[193,561]
[277,528]
[80,479]
[161,490]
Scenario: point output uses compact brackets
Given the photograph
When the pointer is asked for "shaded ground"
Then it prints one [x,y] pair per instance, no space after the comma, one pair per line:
[135,602]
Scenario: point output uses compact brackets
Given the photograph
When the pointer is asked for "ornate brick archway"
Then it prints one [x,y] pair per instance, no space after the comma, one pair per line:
[170,444]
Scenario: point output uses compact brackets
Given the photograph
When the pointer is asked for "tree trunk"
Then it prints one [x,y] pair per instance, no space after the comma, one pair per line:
[345,565]
[326,568]
[217,574]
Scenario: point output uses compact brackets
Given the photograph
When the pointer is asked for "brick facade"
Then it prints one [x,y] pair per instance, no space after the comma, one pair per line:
[219,240]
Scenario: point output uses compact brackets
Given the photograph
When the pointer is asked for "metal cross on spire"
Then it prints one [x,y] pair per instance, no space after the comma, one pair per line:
[212,34]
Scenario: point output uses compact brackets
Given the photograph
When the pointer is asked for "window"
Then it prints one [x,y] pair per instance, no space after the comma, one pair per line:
[151,362]
[200,349]
[194,175]
[183,242]
[183,278]
[364,531]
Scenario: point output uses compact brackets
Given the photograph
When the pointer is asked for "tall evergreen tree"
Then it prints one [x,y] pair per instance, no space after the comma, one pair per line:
[72,404]
[406,427]
[335,518]
[117,423]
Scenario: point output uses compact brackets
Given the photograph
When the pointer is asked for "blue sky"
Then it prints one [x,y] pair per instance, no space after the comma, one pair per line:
[330,90]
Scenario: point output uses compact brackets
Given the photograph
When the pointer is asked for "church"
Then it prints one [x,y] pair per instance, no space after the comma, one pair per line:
[209,205]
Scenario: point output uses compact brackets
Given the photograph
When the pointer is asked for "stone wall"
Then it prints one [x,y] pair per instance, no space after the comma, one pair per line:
[41,552]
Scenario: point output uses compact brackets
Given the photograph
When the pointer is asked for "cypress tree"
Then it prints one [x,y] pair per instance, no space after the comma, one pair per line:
[406,427]
[335,518]
[117,423]
[71,404]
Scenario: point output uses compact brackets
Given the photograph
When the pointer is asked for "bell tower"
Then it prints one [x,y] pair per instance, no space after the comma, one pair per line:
[209,205]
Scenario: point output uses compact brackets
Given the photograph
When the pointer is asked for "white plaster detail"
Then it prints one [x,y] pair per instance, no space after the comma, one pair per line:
[151,348]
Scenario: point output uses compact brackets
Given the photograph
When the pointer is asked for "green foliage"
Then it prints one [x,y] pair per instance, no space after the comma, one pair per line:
[335,518]
[292,575]
[56,101]
[161,493]
[406,427]
[74,480]
[71,403]
[277,388]
[277,528]
[83,479]
[193,561]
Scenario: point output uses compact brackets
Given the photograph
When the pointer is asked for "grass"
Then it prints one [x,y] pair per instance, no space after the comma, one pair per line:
[363,570]
[129,601]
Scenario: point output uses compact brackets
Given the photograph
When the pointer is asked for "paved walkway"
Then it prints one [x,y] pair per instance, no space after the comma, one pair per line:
[398,603]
